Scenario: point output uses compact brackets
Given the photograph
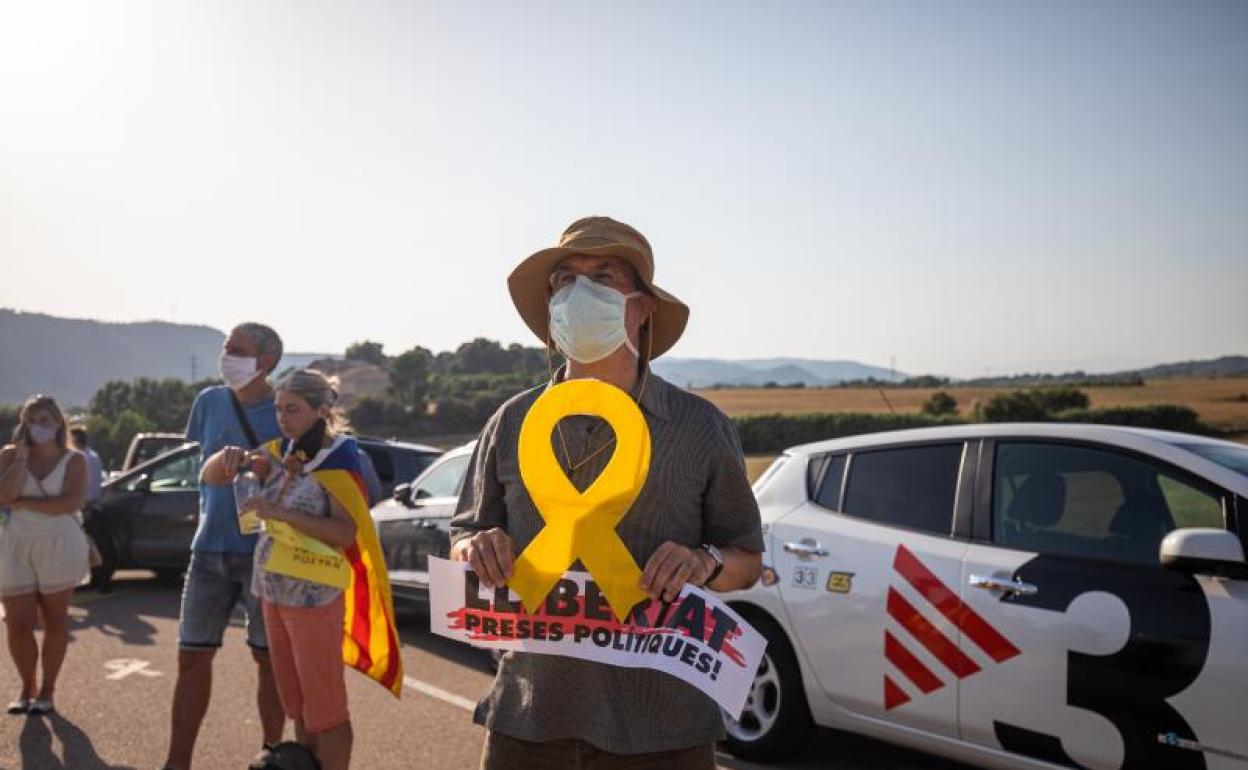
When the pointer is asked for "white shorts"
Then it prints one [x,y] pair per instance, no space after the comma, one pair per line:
[47,563]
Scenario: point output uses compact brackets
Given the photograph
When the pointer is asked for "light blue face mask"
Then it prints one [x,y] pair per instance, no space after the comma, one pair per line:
[587,320]
[43,434]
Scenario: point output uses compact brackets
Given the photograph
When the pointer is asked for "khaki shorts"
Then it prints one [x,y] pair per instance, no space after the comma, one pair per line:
[47,563]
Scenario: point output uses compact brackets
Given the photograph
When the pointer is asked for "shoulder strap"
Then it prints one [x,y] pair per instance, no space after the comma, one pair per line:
[244,423]
[42,489]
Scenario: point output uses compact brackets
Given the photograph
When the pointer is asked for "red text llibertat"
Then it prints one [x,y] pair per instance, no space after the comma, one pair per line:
[586,618]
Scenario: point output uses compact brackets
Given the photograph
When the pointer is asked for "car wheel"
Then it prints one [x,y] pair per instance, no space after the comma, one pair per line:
[776,719]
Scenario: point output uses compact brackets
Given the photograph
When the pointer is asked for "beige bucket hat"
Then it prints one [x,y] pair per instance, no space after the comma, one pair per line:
[596,236]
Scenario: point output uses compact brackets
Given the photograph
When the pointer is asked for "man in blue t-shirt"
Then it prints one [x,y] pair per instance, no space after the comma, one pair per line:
[240,413]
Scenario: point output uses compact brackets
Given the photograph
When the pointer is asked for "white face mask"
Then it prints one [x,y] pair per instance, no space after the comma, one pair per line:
[238,371]
[587,320]
[43,434]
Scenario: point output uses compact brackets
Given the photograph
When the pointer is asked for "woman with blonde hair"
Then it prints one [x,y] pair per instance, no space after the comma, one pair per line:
[43,550]
[304,619]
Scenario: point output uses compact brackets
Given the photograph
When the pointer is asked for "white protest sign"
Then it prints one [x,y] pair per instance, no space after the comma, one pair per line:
[697,638]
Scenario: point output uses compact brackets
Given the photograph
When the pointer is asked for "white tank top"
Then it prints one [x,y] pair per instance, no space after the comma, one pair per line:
[26,522]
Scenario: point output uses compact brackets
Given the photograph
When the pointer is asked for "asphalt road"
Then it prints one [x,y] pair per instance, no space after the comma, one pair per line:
[114,696]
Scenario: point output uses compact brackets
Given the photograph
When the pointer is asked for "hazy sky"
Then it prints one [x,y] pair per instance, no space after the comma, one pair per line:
[966,186]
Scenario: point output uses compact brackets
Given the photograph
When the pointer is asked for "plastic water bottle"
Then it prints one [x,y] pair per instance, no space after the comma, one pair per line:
[247,486]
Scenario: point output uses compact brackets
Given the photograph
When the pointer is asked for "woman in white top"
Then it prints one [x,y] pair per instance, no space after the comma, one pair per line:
[43,551]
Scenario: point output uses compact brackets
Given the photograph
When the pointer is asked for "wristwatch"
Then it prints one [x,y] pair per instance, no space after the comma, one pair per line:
[718,557]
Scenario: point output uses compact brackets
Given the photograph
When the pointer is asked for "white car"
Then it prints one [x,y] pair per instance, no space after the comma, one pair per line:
[1006,595]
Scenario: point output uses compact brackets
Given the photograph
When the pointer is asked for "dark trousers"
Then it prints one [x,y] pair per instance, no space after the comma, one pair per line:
[503,752]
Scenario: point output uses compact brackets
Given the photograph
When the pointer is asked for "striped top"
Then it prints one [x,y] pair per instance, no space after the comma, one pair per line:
[696,492]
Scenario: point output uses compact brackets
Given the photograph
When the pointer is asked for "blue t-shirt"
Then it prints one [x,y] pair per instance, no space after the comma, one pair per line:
[214,425]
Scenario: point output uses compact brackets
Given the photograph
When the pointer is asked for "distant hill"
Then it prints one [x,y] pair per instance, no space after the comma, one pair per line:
[1226,366]
[707,372]
[71,358]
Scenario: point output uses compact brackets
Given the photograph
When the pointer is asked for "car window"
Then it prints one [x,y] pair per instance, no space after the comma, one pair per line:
[176,475]
[419,461]
[154,447]
[829,493]
[1233,457]
[912,487]
[383,463]
[443,480]
[1093,502]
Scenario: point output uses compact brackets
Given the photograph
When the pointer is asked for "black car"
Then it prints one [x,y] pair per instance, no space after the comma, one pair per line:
[146,517]
[415,524]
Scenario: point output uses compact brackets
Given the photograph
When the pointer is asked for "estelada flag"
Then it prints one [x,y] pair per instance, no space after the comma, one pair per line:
[370,643]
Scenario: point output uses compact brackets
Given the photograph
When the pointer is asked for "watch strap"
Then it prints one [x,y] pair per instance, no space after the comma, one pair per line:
[719,563]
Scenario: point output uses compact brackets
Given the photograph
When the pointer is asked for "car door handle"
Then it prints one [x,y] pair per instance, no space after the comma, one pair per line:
[1012,587]
[805,548]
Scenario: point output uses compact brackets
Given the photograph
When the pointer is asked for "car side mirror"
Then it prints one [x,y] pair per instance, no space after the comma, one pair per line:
[1204,551]
[402,492]
[143,484]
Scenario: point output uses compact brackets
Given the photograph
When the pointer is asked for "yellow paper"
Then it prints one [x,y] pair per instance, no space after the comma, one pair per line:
[249,522]
[301,556]
[582,525]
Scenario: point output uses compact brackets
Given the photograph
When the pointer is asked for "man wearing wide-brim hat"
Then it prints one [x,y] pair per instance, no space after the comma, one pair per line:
[593,299]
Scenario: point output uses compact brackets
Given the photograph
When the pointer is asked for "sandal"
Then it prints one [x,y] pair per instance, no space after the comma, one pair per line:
[263,760]
[19,706]
[38,707]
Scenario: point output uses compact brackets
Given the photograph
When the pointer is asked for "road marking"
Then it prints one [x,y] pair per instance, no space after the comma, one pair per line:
[124,667]
[439,693]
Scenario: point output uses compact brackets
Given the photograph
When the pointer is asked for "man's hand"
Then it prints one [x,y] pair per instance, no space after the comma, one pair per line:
[670,567]
[491,553]
[259,463]
[231,458]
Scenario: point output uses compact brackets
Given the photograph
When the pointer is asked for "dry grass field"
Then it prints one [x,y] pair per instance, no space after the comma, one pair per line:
[1221,402]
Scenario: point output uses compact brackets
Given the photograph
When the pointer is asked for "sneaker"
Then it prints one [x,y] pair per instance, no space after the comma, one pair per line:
[37,707]
[19,706]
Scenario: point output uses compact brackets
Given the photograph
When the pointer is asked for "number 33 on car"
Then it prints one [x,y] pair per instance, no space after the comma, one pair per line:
[1008,596]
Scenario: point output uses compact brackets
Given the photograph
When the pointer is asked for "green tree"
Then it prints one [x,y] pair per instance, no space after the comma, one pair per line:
[8,421]
[482,356]
[367,351]
[530,361]
[111,437]
[409,377]
[1016,406]
[165,403]
[940,404]
[1059,398]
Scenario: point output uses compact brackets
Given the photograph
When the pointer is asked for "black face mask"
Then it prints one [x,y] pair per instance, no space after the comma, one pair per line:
[307,445]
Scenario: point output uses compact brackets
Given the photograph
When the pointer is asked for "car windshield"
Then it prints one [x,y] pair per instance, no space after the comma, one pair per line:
[1233,457]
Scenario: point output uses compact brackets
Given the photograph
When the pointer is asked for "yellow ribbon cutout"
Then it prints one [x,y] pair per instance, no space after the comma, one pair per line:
[581,525]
